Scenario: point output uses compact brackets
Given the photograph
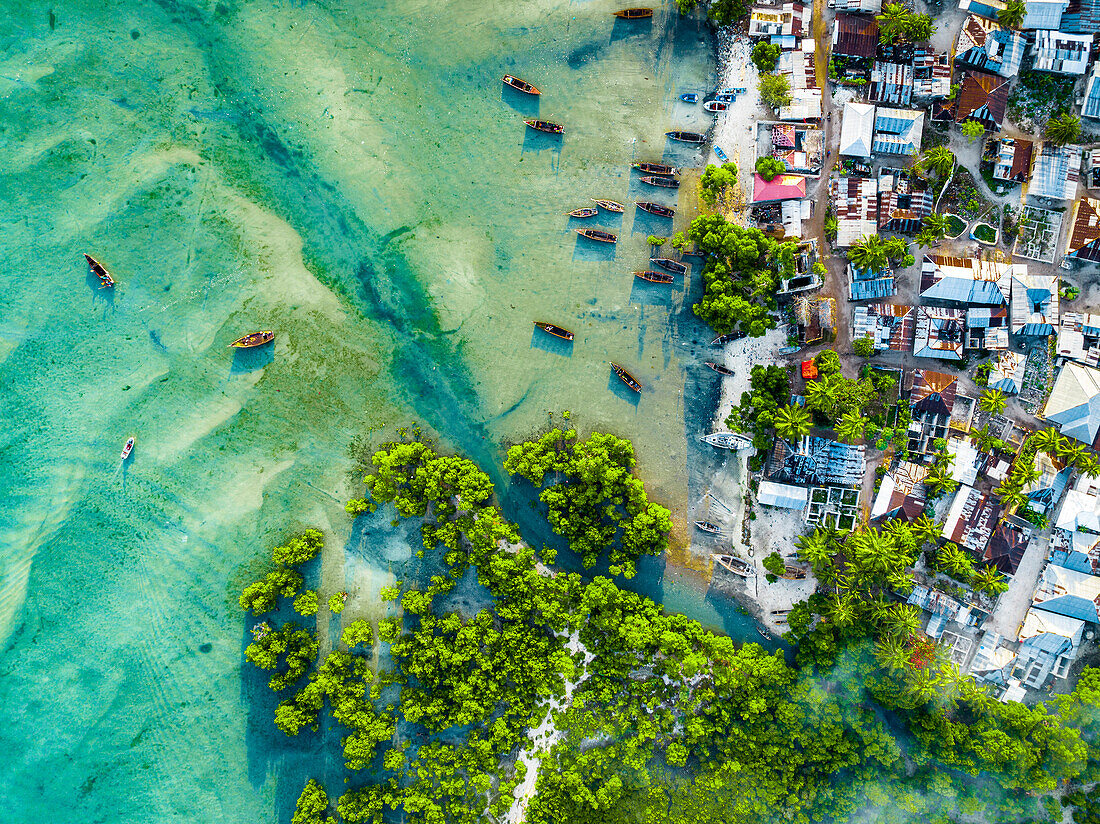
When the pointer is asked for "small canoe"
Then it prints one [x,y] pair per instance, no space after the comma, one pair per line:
[626,377]
[716,106]
[658,209]
[722,340]
[737,566]
[767,636]
[519,85]
[654,168]
[597,234]
[671,265]
[584,211]
[610,205]
[545,126]
[686,137]
[690,98]
[634,14]
[128,448]
[105,279]
[707,526]
[721,154]
[720,369]
[556,331]
[253,339]
[663,182]
[654,277]
[727,440]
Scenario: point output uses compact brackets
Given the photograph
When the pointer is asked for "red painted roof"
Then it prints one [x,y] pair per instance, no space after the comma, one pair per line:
[781,187]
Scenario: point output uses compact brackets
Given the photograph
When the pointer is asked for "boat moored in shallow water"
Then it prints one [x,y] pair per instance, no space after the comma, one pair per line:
[253,339]
[654,168]
[654,277]
[722,340]
[545,126]
[105,279]
[720,369]
[727,440]
[658,209]
[626,377]
[610,205]
[671,265]
[738,566]
[519,85]
[128,448]
[716,106]
[584,211]
[663,182]
[597,234]
[634,14]
[556,331]
[686,137]
[690,97]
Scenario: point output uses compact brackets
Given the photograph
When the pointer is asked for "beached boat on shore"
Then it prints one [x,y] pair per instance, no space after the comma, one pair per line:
[720,369]
[128,448]
[686,137]
[738,566]
[722,340]
[654,277]
[626,377]
[671,265]
[721,154]
[654,168]
[519,85]
[545,126]
[634,14]
[707,526]
[793,573]
[690,97]
[716,106]
[584,211]
[663,182]
[597,234]
[610,205]
[253,339]
[556,331]
[728,440]
[658,209]
[105,279]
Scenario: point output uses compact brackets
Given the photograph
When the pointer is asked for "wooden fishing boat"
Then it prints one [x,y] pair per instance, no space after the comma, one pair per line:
[686,137]
[781,612]
[584,211]
[519,85]
[556,331]
[664,182]
[634,14]
[690,97]
[105,279]
[610,205]
[545,126]
[658,209]
[128,448]
[767,636]
[721,154]
[626,377]
[654,277]
[716,106]
[707,526]
[738,566]
[727,440]
[722,340]
[793,573]
[597,234]
[720,369]
[671,265]
[254,339]
[654,168]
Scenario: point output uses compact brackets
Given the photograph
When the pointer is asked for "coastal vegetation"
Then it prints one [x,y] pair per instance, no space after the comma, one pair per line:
[775,90]
[765,56]
[769,167]
[715,180]
[897,24]
[1013,14]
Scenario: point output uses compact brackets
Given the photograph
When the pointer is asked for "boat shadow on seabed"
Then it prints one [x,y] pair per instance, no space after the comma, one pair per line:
[525,104]
[616,387]
[249,360]
[549,343]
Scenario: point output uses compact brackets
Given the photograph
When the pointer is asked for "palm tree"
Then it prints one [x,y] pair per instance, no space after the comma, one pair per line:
[869,252]
[993,401]
[815,548]
[1024,474]
[989,580]
[923,685]
[820,395]
[842,609]
[955,562]
[1046,440]
[792,422]
[893,653]
[1063,129]
[1012,497]
[1073,451]
[983,439]
[851,426]
[892,23]
[938,159]
[896,248]
[939,480]
[925,530]
[1013,14]
[902,534]
[902,621]
[1089,465]
[933,229]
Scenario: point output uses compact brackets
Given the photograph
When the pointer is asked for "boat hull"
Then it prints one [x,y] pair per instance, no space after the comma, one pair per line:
[545,126]
[634,14]
[626,377]
[127,449]
[610,205]
[657,209]
[555,330]
[655,277]
[597,235]
[253,339]
[735,565]
[728,440]
[720,369]
[654,168]
[671,265]
[686,137]
[519,85]
[97,268]
[663,182]
[586,211]
[707,526]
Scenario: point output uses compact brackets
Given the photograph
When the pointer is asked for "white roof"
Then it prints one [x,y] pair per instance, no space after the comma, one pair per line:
[1038,621]
[1079,509]
[1044,14]
[857,130]
[1074,403]
[805,105]
[782,495]
[1063,53]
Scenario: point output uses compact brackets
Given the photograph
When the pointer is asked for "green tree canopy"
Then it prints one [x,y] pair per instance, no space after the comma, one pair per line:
[769,167]
[765,56]
[775,90]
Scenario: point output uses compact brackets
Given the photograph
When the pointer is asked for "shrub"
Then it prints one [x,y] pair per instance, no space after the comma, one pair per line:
[769,167]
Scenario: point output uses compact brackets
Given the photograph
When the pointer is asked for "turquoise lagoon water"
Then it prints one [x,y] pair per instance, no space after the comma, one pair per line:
[352,175]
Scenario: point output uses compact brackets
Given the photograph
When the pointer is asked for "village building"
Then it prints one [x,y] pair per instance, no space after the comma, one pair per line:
[931,73]
[855,35]
[1055,171]
[866,6]
[964,282]
[1006,547]
[798,66]
[870,284]
[805,105]
[1011,159]
[901,207]
[897,131]
[987,46]
[1091,177]
[1090,105]
[901,494]
[986,328]
[1080,17]
[888,325]
[1083,243]
[780,187]
[891,83]
[857,130]
[1074,402]
[982,97]
[1034,302]
[791,19]
[1079,338]
[971,519]
[815,462]
[1062,53]
[932,402]
[800,148]
[855,200]
[939,333]
[1008,372]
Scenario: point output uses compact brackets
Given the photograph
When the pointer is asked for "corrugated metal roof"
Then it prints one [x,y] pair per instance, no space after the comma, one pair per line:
[1074,402]
[1063,53]
[1084,237]
[782,495]
[1056,171]
[857,130]
[855,35]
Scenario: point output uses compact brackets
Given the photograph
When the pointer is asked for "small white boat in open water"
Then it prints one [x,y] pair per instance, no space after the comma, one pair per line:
[126,450]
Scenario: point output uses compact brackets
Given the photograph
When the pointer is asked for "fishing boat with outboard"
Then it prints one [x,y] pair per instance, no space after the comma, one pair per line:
[716,106]
[671,265]
[725,97]
[663,182]
[254,339]
[738,566]
[105,279]
[626,377]
[519,85]
[610,205]
[721,154]
[597,234]
[728,440]
[686,137]
[690,97]
[545,126]
[553,329]
[707,526]
[720,369]
[584,211]
[658,209]
[128,448]
[634,14]
[722,340]
[654,277]
[654,168]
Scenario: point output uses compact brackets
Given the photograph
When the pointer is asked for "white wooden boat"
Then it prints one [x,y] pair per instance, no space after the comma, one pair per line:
[738,566]
[728,440]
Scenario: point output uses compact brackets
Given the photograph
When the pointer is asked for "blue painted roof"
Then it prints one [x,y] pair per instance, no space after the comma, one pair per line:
[1073,606]
[1077,561]
[866,289]
[965,290]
